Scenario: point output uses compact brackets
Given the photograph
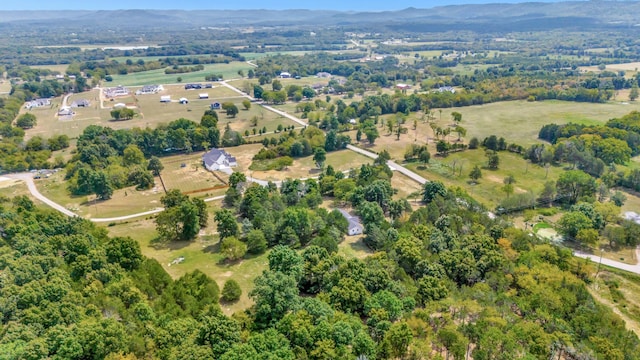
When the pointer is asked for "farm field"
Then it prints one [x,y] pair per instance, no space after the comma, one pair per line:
[488,189]
[150,77]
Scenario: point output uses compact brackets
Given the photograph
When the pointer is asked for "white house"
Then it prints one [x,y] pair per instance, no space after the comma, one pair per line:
[355,227]
[217,159]
[285,75]
[65,111]
[150,89]
[38,103]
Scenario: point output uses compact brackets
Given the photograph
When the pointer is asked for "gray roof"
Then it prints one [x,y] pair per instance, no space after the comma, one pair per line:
[354,221]
[214,155]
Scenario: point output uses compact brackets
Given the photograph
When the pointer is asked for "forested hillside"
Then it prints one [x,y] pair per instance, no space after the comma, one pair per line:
[446,281]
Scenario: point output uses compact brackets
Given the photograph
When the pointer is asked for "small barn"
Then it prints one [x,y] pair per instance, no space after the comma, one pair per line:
[165,98]
[203,96]
[215,106]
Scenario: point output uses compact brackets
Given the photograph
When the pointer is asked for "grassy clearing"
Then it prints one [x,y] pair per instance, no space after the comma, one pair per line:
[487,190]
[124,201]
[305,167]
[129,200]
[621,292]
[405,187]
[5,86]
[158,76]
[192,178]
[202,254]
[354,247]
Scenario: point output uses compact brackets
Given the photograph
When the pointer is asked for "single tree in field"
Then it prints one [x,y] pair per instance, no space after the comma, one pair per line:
[246,103]
[508,187]
[319,157]
[457,117]
[633,94]
[230,108]
[475,174]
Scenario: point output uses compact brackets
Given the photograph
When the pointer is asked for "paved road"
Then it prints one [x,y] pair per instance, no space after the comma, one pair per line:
[612,263]
[392,165]
[28,179]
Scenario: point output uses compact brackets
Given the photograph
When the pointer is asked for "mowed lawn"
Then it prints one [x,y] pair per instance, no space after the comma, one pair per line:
[488,190]
[228,71]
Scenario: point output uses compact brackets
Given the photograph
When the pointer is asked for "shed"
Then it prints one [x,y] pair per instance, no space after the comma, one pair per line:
[165,98]
[203,96]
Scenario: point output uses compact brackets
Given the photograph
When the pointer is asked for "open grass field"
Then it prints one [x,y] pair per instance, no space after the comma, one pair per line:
[517,121]
[150,77]
[488,189]
[520,121]
[305,167]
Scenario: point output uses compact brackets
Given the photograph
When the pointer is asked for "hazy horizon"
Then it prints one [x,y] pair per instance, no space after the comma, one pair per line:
[373,5]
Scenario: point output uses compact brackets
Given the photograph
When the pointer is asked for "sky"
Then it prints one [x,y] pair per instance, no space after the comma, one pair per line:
[358,5]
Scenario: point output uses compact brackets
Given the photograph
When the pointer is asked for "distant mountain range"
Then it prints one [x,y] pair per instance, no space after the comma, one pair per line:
[487,17]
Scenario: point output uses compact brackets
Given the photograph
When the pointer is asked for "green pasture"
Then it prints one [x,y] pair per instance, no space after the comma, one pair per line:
[488,191]
[158,76]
